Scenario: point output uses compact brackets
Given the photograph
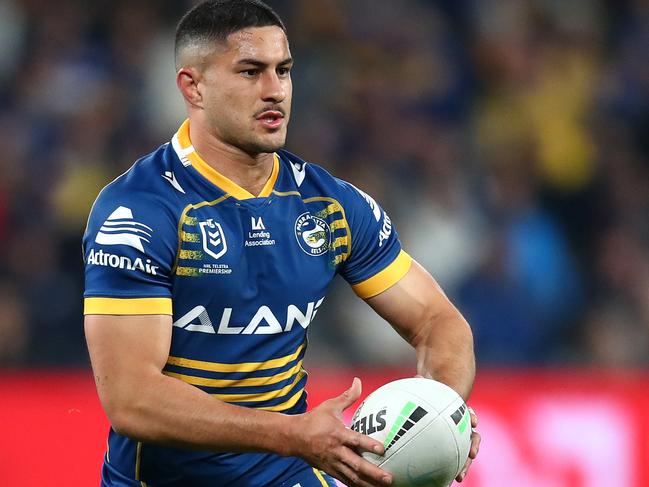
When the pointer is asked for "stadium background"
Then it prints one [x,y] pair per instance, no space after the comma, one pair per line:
[508,139]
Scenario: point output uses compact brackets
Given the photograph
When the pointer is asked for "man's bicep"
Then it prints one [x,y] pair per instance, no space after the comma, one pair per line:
[126,350]
[415,300]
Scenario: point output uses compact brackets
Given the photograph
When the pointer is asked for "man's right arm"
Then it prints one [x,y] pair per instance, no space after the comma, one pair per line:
[128,354]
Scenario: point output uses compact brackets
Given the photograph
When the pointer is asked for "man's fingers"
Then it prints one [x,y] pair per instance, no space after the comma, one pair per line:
[475,444]
[349,477]
[363,470]
[350,396]
[360,443]
[473,451]
[474,418]
[464,470]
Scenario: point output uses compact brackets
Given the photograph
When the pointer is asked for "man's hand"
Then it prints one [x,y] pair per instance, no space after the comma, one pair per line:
[322,439]
[475,446]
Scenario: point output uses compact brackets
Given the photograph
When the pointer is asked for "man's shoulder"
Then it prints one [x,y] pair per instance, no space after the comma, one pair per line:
[313,178]
[144,193]
[146,175]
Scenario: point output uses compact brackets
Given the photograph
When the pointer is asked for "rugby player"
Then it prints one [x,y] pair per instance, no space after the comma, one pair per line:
[207,261]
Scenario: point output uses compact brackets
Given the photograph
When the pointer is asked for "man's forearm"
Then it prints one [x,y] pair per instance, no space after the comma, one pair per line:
[445,353]
[168,411]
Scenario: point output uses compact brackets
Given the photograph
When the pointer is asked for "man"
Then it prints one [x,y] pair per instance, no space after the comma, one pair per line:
[208,259]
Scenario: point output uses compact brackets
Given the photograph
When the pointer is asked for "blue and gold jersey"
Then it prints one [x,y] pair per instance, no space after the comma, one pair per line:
[243,277]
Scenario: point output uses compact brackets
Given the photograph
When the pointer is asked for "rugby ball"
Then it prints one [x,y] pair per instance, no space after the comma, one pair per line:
[425,427]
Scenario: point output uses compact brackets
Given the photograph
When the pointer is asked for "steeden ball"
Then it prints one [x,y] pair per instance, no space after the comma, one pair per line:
[425,427]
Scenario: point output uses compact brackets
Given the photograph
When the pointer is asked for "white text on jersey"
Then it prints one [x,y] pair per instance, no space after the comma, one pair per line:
[264,321]
[105,259]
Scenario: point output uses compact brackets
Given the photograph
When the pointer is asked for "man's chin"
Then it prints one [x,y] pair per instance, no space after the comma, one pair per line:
[265,146]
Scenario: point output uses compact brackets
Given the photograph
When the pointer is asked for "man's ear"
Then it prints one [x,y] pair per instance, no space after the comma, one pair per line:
[187,80]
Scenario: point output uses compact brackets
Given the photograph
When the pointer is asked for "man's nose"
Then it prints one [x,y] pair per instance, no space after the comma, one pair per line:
[273,88]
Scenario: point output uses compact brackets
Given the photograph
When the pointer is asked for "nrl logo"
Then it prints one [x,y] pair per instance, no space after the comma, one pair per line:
[213,238]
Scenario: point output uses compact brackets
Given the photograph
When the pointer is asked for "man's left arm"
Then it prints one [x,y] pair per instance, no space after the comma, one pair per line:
[420,312]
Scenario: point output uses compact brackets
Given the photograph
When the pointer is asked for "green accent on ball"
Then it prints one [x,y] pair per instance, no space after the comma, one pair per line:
[463,423]
[401,419]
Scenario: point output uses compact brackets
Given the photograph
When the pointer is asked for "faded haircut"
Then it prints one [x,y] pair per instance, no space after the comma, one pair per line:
[213,21]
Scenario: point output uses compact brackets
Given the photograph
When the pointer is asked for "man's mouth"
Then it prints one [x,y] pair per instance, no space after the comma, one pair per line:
[271,119]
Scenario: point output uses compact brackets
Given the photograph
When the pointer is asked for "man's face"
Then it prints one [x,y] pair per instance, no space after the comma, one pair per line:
[247,90]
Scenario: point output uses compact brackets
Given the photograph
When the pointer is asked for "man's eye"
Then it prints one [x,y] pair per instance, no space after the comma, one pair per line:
[283,71]
[249,73]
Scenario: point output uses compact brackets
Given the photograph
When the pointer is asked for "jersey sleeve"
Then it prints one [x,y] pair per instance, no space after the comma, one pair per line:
[376,261]
[129,249]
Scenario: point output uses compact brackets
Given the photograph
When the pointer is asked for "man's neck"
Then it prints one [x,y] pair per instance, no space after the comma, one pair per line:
[249,172]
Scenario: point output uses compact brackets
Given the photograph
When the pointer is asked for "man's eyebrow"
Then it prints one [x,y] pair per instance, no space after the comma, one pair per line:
[261,64]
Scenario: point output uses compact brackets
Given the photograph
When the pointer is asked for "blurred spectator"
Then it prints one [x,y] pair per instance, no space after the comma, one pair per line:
[508,139]
[14,326]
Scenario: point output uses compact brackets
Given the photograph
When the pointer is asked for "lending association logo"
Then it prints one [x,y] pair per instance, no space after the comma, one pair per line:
[313,234]
[121,229]
[214,242]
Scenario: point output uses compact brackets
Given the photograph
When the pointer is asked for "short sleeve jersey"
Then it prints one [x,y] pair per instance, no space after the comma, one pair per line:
[243,276]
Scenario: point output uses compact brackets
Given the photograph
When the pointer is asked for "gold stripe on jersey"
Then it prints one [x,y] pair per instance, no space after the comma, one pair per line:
[292,401]
[187,271]
[138,460]
[190,237]
[263,396]
[384,279]
[127,306]
[334,207]
[218,179]
[230,367]
[339,241]
[246,382]
[318,474]
[287,193]
[337,224]
[191,254]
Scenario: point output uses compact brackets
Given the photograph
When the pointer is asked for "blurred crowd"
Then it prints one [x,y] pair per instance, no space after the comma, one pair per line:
[508,139]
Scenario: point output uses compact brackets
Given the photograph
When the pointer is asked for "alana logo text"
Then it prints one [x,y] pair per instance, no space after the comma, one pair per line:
[264,321]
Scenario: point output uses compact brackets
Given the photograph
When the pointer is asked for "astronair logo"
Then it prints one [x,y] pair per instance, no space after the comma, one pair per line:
[313,234]
[386,230]
[214,242]
[264,321]
[120,229]
[105,259]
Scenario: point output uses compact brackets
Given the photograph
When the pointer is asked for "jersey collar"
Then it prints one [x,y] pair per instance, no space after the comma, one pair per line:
[189,157]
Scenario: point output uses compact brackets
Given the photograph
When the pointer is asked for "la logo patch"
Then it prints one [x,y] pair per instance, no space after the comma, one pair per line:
[214,242]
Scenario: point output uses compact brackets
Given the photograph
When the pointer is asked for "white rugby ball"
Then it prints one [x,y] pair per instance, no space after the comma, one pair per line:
[424,426]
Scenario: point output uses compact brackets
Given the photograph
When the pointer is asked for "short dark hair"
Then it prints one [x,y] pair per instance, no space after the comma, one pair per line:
[215,20]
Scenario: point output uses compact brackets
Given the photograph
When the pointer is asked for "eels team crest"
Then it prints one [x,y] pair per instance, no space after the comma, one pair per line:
[313,234]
